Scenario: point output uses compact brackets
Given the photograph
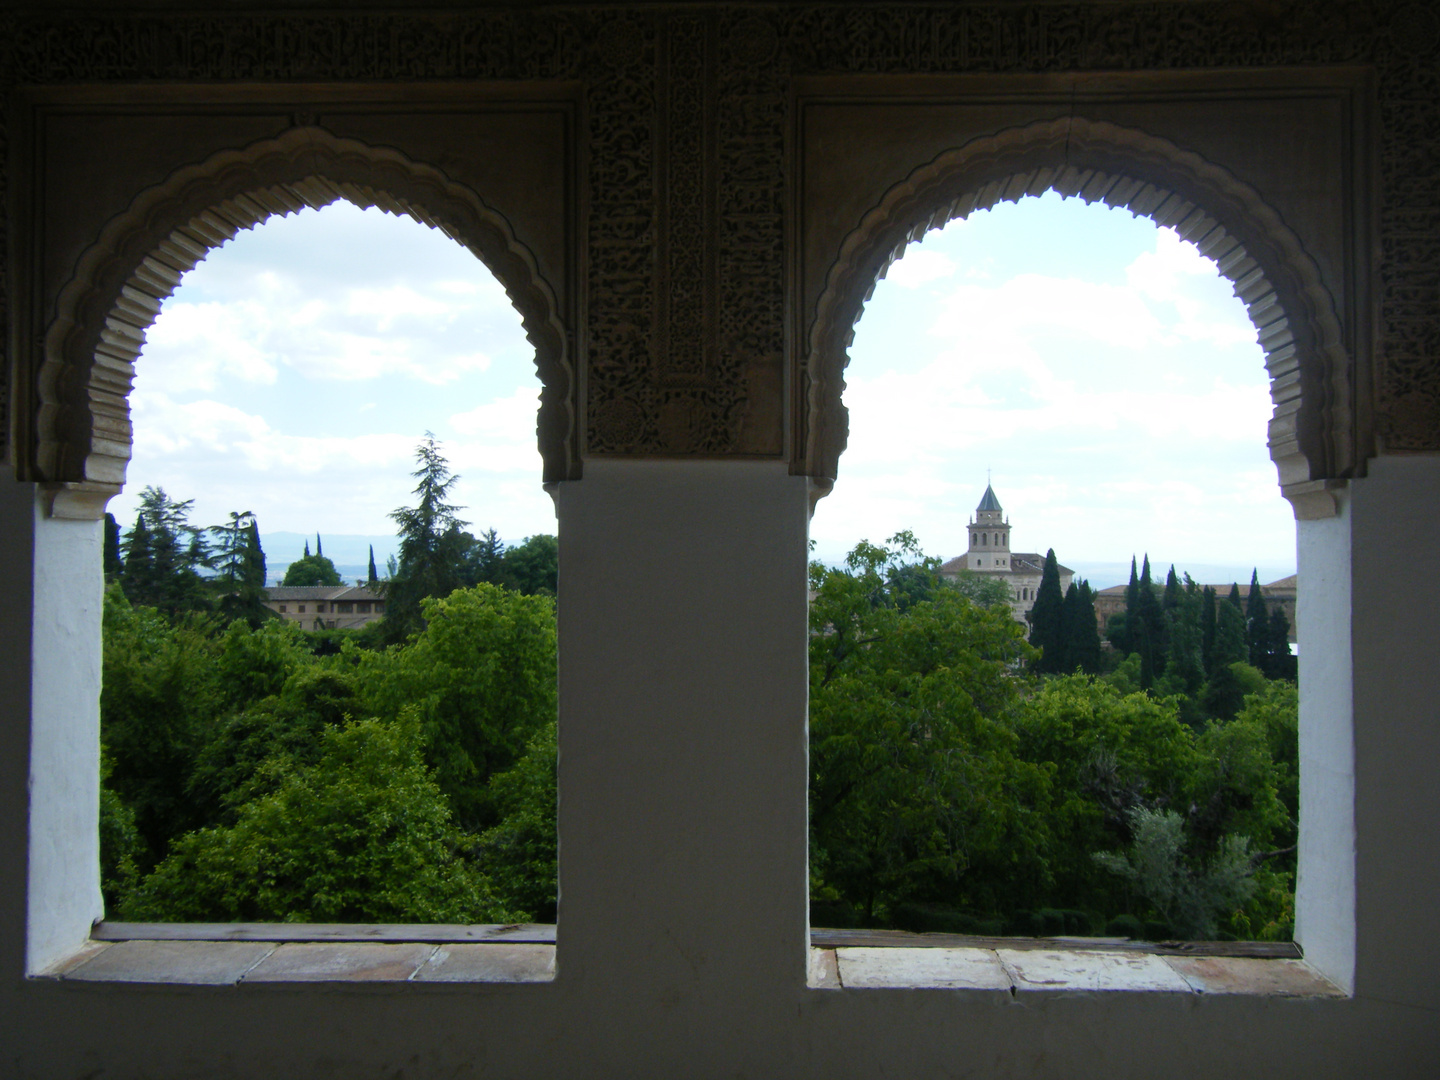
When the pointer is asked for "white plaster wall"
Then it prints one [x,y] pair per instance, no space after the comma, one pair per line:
[1396,633]
[682,857]
[1325,894]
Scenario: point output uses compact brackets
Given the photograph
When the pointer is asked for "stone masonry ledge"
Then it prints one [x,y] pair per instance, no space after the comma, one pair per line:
[994,970]
[228,963]
[1030,970]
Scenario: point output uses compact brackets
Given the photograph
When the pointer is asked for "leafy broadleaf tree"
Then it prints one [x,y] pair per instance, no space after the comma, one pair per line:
[362,835]
[532,567]
[983,590]
[312,570]
[482,678]
[916,791]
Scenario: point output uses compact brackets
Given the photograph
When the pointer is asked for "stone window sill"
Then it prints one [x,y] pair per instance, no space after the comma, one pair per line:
[232,954]
[1070,968]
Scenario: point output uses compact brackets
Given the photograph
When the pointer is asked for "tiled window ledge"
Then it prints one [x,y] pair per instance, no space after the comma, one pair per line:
[1037,970]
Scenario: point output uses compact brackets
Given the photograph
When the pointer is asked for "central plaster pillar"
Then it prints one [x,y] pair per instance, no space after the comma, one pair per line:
[682,638]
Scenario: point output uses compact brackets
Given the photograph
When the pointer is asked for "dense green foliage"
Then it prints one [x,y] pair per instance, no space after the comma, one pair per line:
[312,570]
[250,778]
[958,786]
[959,782]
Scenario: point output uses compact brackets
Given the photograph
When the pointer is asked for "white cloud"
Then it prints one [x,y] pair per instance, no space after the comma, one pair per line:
[1117,414]
[190,346]
[919,267]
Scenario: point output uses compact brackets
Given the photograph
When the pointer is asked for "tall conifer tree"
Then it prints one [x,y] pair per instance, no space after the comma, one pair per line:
[1207,627]
[114,565]
[1257,624]
[1046,618]
[372,579]
[1080,628]
[1147,632]
[1281,660]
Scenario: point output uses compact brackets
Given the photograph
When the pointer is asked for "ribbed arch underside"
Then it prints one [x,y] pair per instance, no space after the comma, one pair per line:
[1293,318]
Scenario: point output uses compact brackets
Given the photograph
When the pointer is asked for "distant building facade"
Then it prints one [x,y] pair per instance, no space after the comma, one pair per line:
[989,553]
[1110,602]
[325,607]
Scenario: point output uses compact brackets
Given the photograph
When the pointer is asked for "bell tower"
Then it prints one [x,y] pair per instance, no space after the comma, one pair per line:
[989,549]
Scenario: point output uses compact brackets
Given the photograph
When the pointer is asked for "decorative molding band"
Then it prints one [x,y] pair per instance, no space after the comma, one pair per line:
[1311,435]
[83,430]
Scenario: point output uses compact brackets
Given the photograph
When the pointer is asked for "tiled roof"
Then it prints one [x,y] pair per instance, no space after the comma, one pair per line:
[988,501]
[1027,562]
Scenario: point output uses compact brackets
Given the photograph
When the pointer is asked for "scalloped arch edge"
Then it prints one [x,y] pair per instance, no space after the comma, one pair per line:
[1312,430]
[83,429]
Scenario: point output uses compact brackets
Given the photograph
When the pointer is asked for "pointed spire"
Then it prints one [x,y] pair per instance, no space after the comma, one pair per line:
[988,501]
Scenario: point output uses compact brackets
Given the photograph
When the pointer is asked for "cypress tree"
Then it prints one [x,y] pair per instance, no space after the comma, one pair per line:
[373,578]
[254,557]
[137,579]
[1207,627]
[114,565]
[1282,661]
[307,548]
[1046,619]
[1147,630]
[1257,624]
[1230,645]
[1234,597]
[1184,653]
[319,548]
[1081,629]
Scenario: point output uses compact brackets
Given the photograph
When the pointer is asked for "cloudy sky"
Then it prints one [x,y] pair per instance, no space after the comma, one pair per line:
[1099,367]
[295,369]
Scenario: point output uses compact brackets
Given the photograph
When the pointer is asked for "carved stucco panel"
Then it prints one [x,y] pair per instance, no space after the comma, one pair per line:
[730,110]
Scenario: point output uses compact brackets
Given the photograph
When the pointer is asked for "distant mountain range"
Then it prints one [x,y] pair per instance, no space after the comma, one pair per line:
[349,552]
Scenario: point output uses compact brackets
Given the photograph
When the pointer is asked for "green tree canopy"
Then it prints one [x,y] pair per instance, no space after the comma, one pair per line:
[363,835]
[482,678]
[164,556]
[312,570]
[907,681]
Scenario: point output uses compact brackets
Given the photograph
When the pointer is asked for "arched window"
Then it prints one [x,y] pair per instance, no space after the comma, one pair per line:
[283,389]
[1075,289]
